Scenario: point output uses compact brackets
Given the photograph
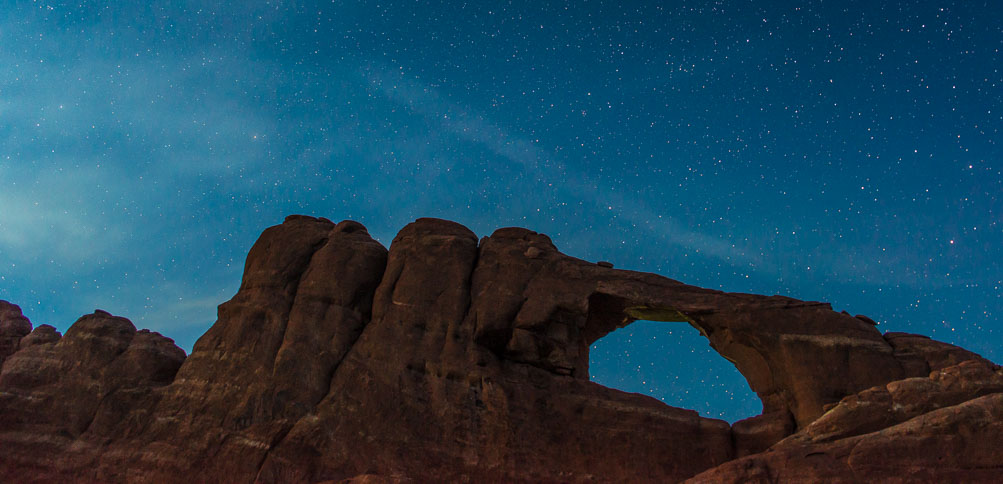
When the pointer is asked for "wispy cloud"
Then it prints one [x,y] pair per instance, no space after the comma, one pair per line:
[460,121]
[474,127]
[51,214]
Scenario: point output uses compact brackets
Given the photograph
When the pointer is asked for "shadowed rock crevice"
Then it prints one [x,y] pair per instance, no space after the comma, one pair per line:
[328,314]
[452,359]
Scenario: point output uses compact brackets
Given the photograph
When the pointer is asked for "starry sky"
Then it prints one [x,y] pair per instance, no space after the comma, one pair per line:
[846,152]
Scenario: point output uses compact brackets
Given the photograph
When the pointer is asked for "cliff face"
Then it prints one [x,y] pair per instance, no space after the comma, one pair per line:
[452,359]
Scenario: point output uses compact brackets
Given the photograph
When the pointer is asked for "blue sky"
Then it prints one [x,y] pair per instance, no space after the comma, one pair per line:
[844,152]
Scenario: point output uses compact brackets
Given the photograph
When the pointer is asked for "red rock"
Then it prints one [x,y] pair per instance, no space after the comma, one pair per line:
[13,327]
[899,401]
[921,355]
[62,399]
[756,434]
[959,443]
[41,335]
[452,359]
[866,320]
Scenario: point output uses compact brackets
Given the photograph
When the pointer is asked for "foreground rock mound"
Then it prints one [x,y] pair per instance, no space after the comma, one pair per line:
[449,358]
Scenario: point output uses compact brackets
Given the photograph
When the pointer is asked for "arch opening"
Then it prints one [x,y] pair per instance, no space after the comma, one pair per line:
[674,363]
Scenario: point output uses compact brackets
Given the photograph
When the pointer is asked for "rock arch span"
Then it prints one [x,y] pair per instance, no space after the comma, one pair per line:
[674,363]
[443,358]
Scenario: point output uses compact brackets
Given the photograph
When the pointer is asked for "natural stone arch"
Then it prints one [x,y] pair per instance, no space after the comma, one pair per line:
[470,350]
[675,364]
[608,312]
[779,344]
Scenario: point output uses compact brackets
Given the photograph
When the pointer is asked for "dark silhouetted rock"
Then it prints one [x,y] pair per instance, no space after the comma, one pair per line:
[13,327]
[41,335]
[449,358]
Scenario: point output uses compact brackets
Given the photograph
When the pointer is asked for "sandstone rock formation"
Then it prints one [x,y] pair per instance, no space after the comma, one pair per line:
[449,358]
[13,327]
[942,428]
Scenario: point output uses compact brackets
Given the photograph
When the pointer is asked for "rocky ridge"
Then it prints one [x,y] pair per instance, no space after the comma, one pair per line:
[448,358]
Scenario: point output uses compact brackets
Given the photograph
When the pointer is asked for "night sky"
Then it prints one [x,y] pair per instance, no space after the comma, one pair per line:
[846,152]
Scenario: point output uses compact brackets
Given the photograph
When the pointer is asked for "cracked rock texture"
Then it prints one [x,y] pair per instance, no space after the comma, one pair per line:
[448,358]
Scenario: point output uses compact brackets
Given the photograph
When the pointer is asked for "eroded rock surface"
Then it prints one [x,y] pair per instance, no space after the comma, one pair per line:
[63,398]
[448,358]
[13,327]
[944,428]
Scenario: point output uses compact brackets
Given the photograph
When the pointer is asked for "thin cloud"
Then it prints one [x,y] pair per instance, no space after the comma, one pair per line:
[476,128]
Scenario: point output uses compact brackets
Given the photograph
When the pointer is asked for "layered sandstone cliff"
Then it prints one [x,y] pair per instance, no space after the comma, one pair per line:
[449,358]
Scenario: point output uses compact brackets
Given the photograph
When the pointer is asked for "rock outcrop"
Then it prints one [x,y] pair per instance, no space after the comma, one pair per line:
[944,428]
[448,358]
[13,327]
[62,399]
